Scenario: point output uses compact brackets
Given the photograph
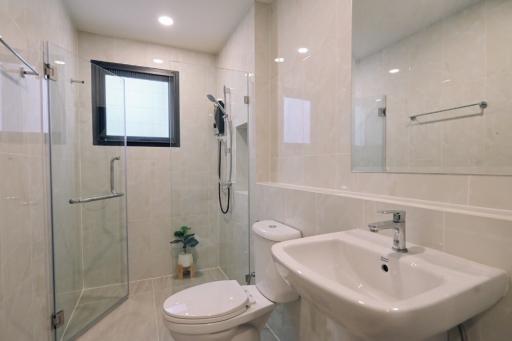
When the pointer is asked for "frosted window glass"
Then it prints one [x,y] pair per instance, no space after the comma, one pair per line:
[147,107]
[297,120]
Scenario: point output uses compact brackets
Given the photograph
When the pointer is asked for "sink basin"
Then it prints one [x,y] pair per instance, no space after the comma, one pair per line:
[356,279]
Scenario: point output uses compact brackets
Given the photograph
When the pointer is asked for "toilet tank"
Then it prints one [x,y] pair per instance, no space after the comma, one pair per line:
[265,234]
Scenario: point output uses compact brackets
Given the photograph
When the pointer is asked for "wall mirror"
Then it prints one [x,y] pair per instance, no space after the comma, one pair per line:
[432,86]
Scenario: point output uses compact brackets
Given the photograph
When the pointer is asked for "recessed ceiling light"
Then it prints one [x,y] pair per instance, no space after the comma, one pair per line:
[279,60]
[303,50]
[59,62]
[165,20]
[446,81]
[157,61]
[394,71]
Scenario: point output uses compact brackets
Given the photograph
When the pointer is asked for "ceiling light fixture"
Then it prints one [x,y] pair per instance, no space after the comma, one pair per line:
[303,50]
[157,61]
[165,20]
[394,71]
[59,62]
[279,60]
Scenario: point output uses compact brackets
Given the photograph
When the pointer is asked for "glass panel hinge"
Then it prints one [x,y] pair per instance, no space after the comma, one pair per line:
[49,72]
[249,277]
[58,319]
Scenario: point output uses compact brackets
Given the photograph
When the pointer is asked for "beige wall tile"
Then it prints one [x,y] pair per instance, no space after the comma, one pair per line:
[300,211]
[487,191]
[335,213]
[167,187]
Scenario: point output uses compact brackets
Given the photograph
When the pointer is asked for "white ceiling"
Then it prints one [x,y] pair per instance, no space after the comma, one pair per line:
[377,24]
[200,25]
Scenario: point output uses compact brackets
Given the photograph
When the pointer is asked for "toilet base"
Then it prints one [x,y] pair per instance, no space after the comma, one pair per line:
[246,332]
[242,333]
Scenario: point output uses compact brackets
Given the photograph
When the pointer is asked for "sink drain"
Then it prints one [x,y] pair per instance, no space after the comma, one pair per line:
[384,268]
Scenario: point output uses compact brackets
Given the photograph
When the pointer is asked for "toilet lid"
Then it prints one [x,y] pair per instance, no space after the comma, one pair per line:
[207,302]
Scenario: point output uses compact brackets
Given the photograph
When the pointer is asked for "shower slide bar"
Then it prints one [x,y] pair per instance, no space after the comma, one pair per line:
[113,192]
[24,72]
[483,105]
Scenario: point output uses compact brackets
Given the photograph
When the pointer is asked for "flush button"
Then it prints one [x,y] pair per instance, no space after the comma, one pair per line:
[272,226]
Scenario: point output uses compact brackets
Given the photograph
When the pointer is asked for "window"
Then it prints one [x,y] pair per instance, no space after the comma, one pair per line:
[151,103]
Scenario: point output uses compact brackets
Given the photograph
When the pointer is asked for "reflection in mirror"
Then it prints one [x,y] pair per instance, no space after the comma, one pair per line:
[369,138]
[297,121]
[431,87]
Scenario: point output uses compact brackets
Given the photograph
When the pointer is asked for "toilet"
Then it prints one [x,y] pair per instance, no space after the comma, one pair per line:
[226,310]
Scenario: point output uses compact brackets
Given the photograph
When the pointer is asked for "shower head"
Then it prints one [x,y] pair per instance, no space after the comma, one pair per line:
[212,98]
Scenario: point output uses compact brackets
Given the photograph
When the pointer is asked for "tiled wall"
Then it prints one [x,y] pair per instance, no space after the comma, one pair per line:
[238,51]
[167,187]
[467,216]
[24,230]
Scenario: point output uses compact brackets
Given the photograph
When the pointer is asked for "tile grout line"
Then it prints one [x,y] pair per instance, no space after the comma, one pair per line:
[155,315]
[272,332]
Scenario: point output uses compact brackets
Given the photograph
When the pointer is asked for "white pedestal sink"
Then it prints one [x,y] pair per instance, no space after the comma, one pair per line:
[375,293]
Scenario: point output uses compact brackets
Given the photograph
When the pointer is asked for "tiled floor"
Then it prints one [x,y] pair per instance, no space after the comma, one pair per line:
[93,303]
[139,318]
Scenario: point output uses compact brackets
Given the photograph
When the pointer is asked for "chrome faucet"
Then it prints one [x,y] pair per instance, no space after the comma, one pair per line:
[397,224]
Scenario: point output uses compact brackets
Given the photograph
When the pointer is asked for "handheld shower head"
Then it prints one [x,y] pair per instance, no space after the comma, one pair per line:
[212,98]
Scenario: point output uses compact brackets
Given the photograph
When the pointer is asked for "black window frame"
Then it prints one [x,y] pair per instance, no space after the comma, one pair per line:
[99,105]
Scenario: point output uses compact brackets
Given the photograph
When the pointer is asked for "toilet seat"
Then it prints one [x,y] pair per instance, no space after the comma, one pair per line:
[258,306]
[207,303]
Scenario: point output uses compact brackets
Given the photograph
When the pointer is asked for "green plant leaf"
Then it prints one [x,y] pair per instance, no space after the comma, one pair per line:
[183,236]
[191,242]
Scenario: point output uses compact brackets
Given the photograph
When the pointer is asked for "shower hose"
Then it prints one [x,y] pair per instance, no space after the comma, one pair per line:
[226,210]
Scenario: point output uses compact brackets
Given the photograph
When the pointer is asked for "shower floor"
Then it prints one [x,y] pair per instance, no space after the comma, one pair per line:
[139,317]
[91,304]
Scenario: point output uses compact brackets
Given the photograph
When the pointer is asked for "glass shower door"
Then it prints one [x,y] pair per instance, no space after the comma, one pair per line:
[88,196]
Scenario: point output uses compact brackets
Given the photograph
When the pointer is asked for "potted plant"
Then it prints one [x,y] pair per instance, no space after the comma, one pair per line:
[188,241]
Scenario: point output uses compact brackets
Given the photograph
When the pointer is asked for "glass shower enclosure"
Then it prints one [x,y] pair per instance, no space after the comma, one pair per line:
[88,196]
[234,227]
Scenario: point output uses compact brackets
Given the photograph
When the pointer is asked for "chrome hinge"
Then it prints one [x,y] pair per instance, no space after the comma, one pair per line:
[249,277]
[58,319]
[49,72]
[246,99]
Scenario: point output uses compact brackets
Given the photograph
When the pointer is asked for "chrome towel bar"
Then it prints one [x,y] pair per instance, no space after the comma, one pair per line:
[96,198]
[482,106]
[24,72]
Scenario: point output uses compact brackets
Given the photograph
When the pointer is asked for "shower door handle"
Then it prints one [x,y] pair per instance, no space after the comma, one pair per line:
[113,192]
[112,177]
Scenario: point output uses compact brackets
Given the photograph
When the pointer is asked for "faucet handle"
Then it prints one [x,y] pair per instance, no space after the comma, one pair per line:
[398,215]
